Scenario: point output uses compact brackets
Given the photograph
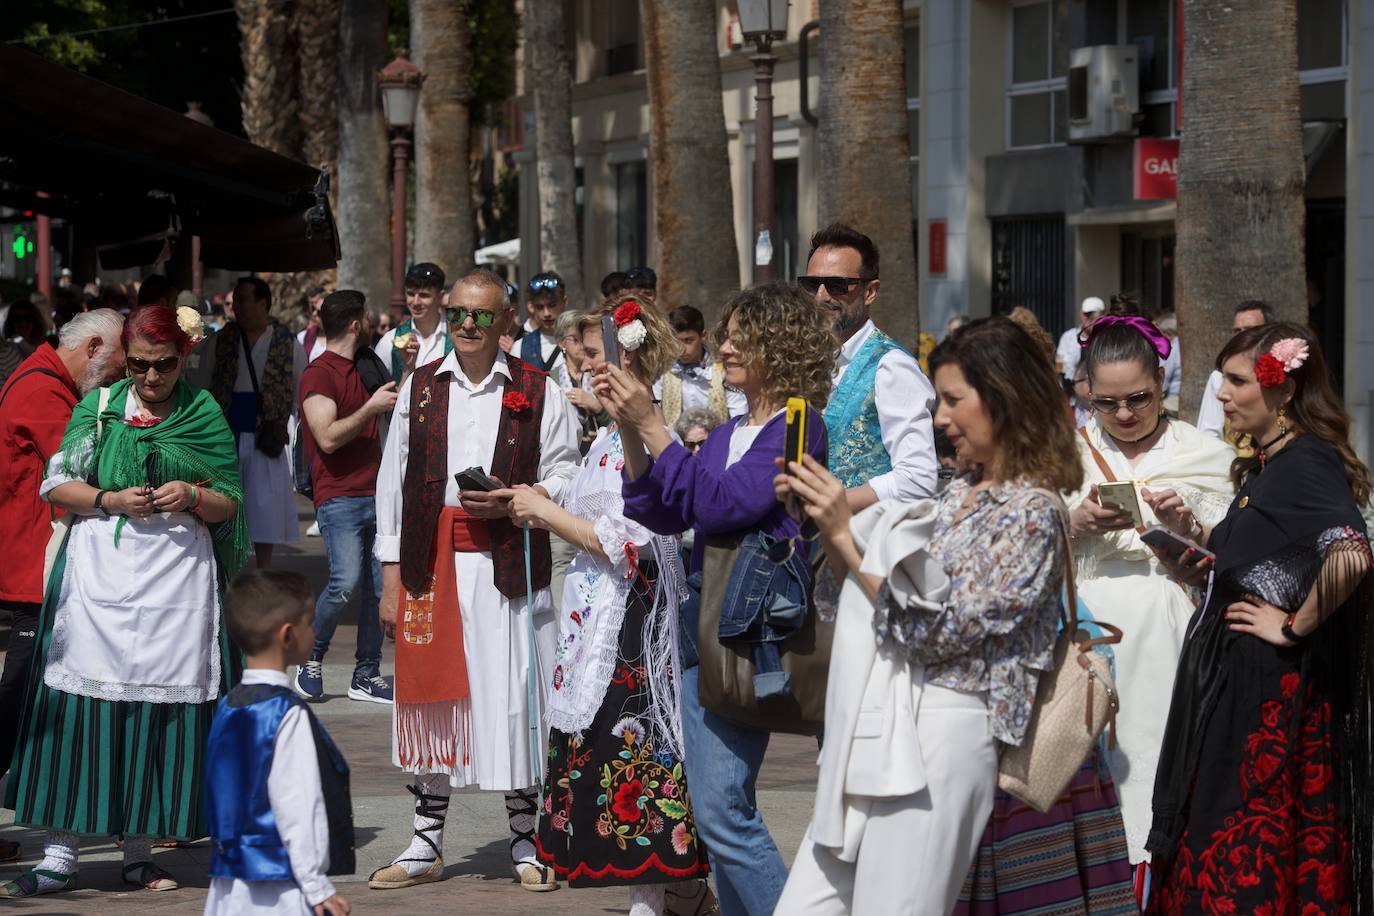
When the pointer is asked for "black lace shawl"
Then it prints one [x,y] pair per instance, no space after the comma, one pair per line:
[1275,541]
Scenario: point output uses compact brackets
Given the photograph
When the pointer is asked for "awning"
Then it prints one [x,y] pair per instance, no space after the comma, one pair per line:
[134,176]
[507,252]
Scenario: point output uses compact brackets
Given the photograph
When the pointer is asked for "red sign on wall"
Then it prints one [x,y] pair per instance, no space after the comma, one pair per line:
[1156,169]
[937,247]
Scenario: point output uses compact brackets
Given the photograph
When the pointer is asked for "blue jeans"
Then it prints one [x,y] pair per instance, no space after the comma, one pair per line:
[723,761]
[348,525]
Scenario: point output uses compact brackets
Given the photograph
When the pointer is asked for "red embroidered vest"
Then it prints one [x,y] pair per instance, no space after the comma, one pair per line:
[514,461]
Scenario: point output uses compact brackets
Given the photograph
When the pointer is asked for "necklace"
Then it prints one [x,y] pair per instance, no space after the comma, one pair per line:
[1264,446]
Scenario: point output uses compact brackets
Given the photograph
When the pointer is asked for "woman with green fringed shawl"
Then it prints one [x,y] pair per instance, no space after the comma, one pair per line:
[132,653]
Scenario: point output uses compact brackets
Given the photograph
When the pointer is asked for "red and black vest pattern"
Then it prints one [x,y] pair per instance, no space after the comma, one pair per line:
[514,461]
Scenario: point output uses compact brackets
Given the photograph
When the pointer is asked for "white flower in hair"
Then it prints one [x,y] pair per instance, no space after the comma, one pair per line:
[631,335]
[190,322]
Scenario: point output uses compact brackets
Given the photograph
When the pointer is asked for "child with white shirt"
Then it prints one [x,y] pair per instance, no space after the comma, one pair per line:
[276,785]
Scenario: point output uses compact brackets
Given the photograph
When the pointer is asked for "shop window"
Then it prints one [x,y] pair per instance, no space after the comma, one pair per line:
[624,48]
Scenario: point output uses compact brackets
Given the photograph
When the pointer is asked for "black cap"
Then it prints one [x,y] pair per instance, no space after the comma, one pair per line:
[641,278]
[425,274]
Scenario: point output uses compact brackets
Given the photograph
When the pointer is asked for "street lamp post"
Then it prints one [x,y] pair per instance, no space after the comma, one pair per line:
[762,21]
[399,82]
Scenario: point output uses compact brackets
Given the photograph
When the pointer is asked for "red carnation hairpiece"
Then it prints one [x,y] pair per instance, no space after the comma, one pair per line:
[626,312]
[1269,372]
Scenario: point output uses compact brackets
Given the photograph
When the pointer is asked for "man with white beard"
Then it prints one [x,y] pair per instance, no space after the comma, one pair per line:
[35,405]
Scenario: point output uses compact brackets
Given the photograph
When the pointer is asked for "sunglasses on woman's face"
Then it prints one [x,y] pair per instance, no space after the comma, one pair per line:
[1135,403]
[139,366]
[480,317]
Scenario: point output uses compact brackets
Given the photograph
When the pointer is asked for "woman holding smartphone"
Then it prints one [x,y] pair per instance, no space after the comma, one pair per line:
[1264,798]
[775,343]
[1133,448]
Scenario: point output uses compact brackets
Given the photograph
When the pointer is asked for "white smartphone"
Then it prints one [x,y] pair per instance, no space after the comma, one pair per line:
[1121,496]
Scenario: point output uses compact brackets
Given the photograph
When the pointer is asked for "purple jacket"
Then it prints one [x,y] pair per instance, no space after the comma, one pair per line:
[684,491]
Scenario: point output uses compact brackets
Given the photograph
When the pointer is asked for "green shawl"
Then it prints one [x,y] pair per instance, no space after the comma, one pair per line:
[193,444]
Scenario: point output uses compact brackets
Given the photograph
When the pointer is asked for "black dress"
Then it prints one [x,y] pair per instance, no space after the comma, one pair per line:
[1262,790]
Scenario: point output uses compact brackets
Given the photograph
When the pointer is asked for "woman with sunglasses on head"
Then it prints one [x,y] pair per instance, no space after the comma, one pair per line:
[616,805]
[775,343]
[1132,440]
[1264,800]
[132,653]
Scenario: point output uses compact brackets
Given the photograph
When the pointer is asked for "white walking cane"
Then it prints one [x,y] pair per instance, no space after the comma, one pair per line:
[532,686]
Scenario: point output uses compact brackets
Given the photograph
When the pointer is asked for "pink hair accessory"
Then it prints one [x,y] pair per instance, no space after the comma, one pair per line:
[1291,352]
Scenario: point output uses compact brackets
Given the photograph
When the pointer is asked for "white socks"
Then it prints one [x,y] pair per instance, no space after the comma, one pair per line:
[646,900]
[431,793]
[59,855]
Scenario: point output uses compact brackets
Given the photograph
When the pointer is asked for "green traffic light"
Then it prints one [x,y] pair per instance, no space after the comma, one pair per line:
[21,247]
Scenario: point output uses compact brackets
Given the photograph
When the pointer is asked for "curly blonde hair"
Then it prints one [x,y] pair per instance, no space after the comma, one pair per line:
[660,348]
[786,336]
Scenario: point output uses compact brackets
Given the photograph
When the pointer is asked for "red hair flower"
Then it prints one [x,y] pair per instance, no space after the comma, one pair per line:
[515,402]
[626,312]
[1269,371]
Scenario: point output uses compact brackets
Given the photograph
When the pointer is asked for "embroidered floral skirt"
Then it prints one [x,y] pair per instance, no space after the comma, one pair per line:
[1265,832]
[616,809]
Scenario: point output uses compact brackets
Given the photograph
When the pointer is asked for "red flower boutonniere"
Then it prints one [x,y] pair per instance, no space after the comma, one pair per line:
[143,420]
[627,311]
[1269,372]
[516,403]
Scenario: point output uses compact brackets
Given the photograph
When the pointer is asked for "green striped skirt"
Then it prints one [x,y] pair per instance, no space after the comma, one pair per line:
[106,768]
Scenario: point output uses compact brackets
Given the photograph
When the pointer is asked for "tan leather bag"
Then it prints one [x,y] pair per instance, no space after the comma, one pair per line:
[1074,702]
[726,675]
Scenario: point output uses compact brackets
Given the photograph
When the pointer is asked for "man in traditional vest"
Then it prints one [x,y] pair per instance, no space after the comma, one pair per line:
[464,590]
[882,443]
[696,380]
[423,337]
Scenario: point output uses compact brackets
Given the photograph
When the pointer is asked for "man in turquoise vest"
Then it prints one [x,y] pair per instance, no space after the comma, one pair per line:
[423,337]
[882,443]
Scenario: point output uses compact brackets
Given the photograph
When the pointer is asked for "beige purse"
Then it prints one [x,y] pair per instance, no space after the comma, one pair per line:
[1074,702]
[62,527]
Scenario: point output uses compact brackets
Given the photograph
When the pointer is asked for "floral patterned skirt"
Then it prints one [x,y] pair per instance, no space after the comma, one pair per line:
[616,809]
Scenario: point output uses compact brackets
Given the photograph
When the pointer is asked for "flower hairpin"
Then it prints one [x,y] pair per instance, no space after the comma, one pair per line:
[191,323]
[1284,357]
[629,328]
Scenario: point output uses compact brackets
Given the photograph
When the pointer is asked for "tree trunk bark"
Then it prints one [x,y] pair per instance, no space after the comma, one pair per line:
[698,263]
[549,79]
[864,149]
[1241,175]
[363,214]
[271,103]
[315,27]
[444,232]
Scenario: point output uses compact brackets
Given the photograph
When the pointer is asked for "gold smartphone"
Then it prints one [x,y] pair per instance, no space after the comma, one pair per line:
[1121,495]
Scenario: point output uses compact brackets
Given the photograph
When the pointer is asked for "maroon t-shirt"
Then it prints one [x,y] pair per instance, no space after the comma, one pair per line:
[352,469]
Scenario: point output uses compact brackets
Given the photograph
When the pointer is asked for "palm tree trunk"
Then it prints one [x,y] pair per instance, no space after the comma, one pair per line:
[363,212]
[864,150]
[1241,175]
[271,104]
[698,263]
[549,78]
[443,183]
[315,25]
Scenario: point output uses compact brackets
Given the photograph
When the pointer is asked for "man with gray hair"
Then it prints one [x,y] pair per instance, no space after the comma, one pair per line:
[35,406]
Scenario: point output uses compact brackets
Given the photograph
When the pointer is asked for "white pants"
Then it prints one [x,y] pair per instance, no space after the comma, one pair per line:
[916,850]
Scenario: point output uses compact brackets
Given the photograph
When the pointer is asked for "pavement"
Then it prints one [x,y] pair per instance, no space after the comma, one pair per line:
[477,872]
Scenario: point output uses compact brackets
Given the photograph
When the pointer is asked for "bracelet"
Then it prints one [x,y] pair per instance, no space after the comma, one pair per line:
[195,497]
[1287,628]
[100,503]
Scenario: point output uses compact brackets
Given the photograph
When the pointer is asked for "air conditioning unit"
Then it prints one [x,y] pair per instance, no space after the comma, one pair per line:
[1104,93]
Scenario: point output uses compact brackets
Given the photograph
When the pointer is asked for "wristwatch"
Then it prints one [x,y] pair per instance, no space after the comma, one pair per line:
[100,503]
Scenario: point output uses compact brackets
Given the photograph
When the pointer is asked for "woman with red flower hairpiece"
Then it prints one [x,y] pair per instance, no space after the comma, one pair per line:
[1265,790]
[616,805]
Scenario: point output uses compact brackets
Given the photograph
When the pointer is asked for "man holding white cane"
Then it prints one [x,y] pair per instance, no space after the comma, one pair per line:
[464,591]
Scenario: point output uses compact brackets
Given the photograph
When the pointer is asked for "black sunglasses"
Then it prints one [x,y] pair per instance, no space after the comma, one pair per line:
[835,286]
[163,366]
[540,284]
[423,275]
[641,278]
[483,318]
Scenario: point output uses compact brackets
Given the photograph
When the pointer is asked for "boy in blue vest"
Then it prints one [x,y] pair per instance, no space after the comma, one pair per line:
[276,793]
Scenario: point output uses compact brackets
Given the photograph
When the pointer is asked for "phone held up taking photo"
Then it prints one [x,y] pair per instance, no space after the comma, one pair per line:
[609,342]
[795,446]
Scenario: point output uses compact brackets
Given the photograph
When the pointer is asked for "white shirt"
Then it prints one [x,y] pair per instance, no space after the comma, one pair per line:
[1210,417]
[431,347]
[1069,352]
[1173,372]
[742,439]
[903,396]
[474,410]
[696,387]
[297,800]
[315,350]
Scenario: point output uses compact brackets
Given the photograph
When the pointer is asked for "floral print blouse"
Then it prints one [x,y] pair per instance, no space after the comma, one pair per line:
[996,631]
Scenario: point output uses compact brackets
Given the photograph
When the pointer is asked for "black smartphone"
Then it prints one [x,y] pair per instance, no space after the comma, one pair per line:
[475,478]
[609,342]
[1171,544]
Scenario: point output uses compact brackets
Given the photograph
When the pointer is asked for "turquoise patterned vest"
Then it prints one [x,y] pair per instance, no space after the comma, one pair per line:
[857,453]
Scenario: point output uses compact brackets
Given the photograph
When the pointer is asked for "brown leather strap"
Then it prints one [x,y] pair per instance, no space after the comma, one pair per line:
[1103,466]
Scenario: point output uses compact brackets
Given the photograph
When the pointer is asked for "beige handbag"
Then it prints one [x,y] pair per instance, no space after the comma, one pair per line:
[62,527]
[1074,702]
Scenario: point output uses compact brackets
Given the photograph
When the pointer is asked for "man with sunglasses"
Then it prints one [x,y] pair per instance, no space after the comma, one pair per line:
[423,337]
[881,437]
[464,591]
[537,342]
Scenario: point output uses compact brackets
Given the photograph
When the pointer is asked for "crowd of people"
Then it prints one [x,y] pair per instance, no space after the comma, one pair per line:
[618,550]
